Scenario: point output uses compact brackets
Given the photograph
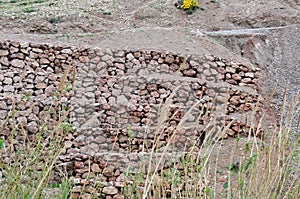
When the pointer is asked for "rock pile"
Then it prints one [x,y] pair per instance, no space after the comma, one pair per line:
[118,103]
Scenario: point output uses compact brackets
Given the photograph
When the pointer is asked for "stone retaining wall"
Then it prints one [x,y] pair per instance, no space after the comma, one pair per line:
[120,105]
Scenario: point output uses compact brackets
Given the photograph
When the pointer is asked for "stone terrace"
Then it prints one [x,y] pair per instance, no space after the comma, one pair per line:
[120,104]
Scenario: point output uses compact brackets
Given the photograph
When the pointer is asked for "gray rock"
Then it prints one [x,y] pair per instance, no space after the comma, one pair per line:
[3,105]
[7,80]
[3,114]
[106,57]
[67,51]
[4,52]
[17,63]
[8,88]
[122,100]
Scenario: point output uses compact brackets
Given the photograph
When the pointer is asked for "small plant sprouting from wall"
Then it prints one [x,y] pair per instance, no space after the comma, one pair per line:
[189,6]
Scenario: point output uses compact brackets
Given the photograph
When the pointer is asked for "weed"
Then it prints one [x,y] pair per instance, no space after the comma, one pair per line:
[54,20]
[29,9]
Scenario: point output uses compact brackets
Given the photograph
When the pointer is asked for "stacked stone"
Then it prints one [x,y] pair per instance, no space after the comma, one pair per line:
[32,96]
[121,103]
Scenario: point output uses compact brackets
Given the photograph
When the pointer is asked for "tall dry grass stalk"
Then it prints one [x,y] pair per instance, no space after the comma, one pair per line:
[255,168]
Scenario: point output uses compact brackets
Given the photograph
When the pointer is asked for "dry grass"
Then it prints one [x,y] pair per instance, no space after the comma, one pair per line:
[243,168]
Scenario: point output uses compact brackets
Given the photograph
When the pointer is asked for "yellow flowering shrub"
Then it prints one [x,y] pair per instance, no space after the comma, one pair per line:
[188,5]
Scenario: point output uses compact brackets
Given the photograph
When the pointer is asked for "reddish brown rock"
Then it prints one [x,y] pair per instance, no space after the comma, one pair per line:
[40,85]
[190,73]
[234,100]
[246,80]
[84,59]
[236,77]
[110,190]
[17,56]
[13,50]
[44,61]
[169,59]
[78,165]
[108,171]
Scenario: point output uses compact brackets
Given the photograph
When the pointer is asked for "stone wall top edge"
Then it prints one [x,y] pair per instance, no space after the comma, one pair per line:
[61,46]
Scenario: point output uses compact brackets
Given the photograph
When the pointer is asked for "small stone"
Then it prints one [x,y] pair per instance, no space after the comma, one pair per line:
[13,50]
[99,52]
[32,127]
[211,92]
[230,70]
[15,44]
[154,94]
[32,117]
[3,114]
[95,60]
[95,168]
[78,165]
[110,190]
[160,60]
[4,52]
[190,73]
[17,56]
[3,105]
[8,88]
[246,80]
[17,63]
[120,54]
[119,196]
[120,184]
[207,72]
[4,61]
[130,56]
[220,63]
[84,59]
[7,81]
[61,57]
[37,50]
[106,106]
[206,65]
[75,195]
[73,151]
[235,100]
[67,51]
[76,188]
[49,91]
[108,171]
[40,85]
[44,61]
[169,59]
[106,58]
[39,79]
[194,63]
[136,62]
[230,132]
[22,120]
[251,75]
[236,77]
